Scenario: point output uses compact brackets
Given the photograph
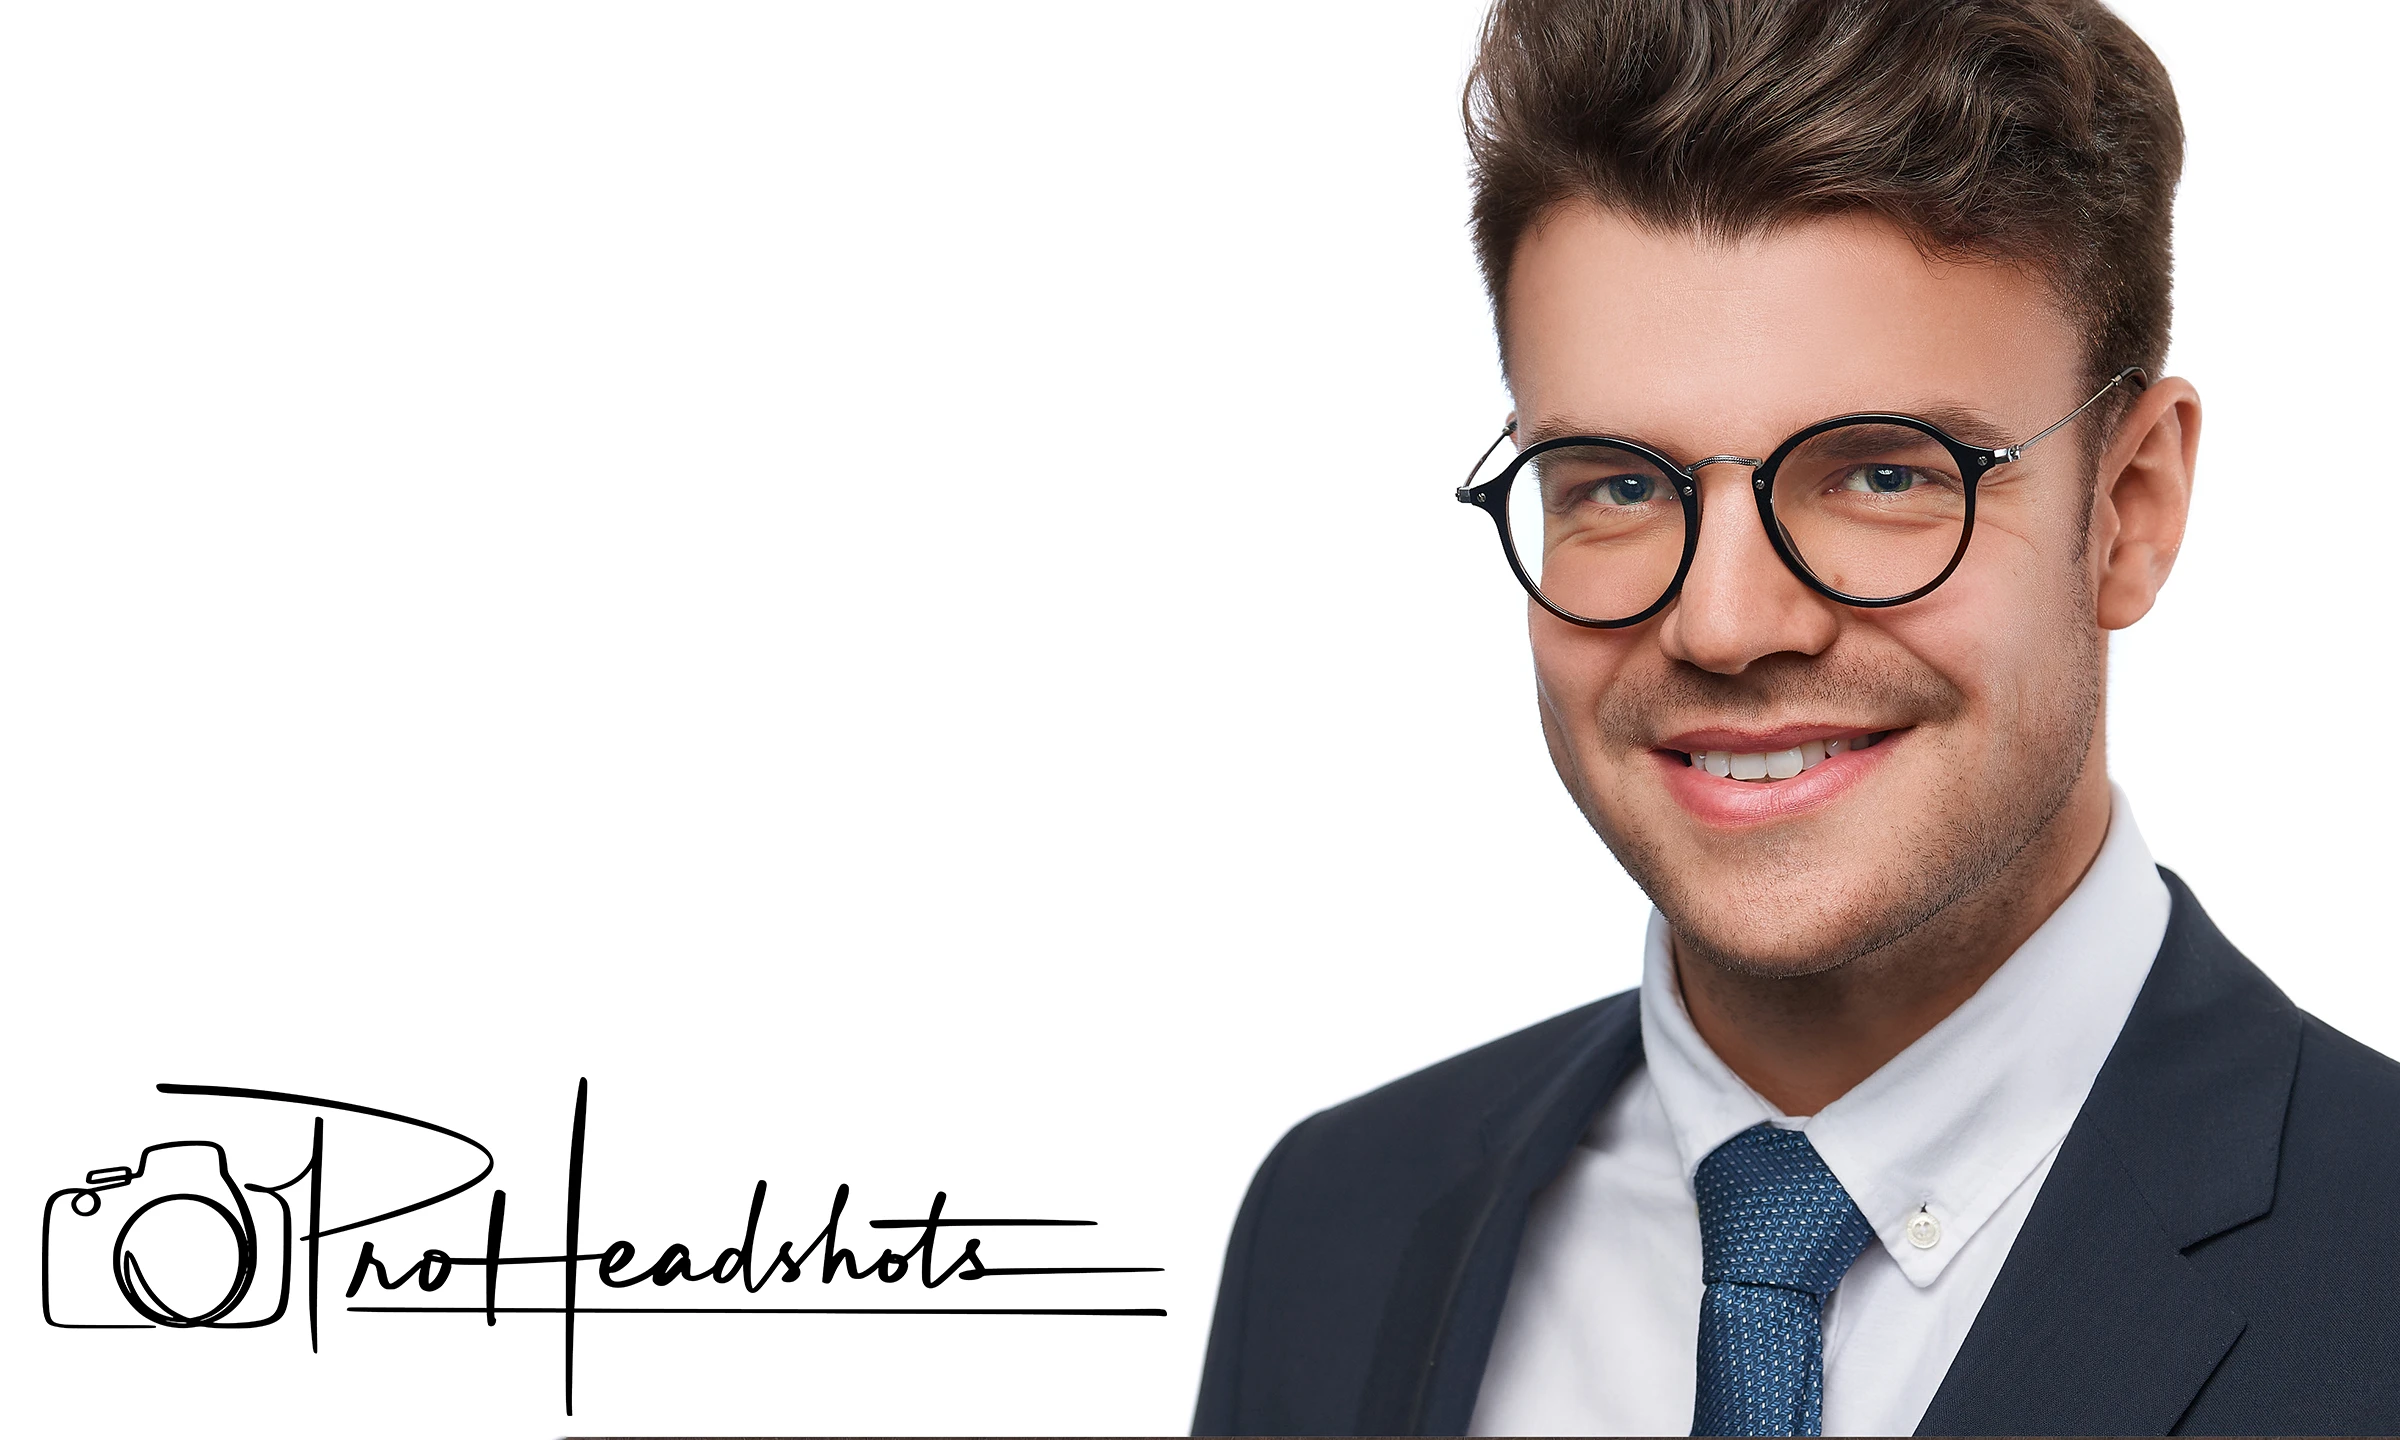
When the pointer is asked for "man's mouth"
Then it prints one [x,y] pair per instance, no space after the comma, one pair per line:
[1769,766]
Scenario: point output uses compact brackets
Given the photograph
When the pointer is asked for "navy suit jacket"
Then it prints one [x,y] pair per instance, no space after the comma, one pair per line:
[2216,1249]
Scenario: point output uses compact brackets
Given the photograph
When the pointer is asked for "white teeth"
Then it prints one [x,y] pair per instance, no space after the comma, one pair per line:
[1775,765]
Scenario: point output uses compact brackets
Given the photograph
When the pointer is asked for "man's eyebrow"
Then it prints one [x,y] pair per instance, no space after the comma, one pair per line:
[1973,426]
[1554,429]
[1960,422]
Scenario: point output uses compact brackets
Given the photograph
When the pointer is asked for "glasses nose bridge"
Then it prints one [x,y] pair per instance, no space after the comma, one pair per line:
[1750,461]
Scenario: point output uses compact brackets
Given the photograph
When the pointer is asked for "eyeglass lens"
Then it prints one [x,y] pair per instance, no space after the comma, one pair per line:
[1873,511]
[1600,529]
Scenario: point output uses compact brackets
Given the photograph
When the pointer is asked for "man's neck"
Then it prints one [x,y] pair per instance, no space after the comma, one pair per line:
[1803,1041]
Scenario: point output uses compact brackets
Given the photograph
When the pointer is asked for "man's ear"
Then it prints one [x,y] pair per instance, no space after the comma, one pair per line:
[2144,497]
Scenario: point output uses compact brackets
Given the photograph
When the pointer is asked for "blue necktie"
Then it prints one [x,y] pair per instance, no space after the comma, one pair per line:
[1777,1232]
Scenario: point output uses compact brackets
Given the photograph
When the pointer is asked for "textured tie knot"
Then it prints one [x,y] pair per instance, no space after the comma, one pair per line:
[1772,1214]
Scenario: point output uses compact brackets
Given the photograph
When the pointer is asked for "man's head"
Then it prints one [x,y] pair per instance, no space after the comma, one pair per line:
[1707,224]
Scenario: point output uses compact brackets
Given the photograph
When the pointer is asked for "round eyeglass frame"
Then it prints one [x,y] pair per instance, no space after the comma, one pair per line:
[1974,462]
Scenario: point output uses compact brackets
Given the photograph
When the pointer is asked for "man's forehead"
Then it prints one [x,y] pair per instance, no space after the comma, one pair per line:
[1647,272]
[1973,424]
[1615,327]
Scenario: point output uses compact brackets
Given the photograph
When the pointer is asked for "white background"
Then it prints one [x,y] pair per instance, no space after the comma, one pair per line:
[881,581]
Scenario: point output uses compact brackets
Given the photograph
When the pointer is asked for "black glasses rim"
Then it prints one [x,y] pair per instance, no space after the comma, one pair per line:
[1974,462]
[1687,492]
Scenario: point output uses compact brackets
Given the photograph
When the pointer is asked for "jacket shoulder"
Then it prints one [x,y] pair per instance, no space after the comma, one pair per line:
[2353,1069]
[2342,1132]
[2311,1279]
[1436,1114]
[1329,1214]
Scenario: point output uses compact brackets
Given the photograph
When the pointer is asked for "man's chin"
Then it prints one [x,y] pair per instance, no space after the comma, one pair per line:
[1839,877]
[1786,905]
[1813,898]
[1786,948]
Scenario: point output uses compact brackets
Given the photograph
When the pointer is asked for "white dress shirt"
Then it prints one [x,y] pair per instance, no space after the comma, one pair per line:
[1600,1331]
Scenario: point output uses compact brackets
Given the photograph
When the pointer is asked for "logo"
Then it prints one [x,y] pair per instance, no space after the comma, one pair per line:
[179,1241]
[92,1236]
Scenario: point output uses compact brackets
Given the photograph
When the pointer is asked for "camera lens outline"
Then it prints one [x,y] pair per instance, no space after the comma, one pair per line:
[127,1269]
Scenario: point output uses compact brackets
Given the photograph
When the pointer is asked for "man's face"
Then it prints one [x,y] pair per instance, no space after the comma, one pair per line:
[1961,722]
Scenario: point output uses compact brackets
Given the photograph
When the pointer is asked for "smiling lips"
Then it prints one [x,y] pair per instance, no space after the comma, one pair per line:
[1733,780]
[1770,765]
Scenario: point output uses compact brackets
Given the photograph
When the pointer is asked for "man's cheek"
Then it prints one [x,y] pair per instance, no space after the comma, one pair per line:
[1568,692]
[1558,719]
[1568,697]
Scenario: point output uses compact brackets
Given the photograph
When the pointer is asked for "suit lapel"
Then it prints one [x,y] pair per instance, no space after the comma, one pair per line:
[1453,1274]
[2097,1324]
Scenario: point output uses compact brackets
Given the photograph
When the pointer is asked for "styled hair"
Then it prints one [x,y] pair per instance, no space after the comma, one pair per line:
[2037,133]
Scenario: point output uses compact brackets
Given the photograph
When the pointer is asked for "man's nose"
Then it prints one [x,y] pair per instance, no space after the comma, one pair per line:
[1739,602]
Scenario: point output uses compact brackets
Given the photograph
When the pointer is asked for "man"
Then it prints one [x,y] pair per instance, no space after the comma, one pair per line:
[1832,327]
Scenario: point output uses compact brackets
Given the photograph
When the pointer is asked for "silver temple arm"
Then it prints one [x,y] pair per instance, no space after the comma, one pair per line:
[1477,468]
[2134,373]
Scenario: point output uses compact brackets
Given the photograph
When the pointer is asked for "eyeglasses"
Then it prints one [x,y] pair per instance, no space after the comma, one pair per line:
[1870,510]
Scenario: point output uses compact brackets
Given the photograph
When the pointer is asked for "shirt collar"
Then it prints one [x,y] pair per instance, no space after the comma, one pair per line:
[1960,1119]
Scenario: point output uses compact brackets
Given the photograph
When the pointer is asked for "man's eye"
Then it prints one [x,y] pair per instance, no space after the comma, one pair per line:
[1881,479]
[1625,489]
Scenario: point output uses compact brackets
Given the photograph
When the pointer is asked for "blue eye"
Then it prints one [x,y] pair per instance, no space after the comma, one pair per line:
[1881,479]
[1628,489]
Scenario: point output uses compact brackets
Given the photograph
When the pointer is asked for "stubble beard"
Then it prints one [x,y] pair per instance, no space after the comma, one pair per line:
[1895,893]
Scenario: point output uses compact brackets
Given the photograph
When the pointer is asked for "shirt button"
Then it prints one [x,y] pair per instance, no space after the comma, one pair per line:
[1924,1231]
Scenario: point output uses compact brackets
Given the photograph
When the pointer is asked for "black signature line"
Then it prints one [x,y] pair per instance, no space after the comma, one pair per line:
[239,1093]
[947,1220]
[722,1310]
[583,1091]
[318,1231]
[990,1270]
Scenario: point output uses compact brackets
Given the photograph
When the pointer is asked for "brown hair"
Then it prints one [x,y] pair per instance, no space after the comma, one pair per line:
[2041,133]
